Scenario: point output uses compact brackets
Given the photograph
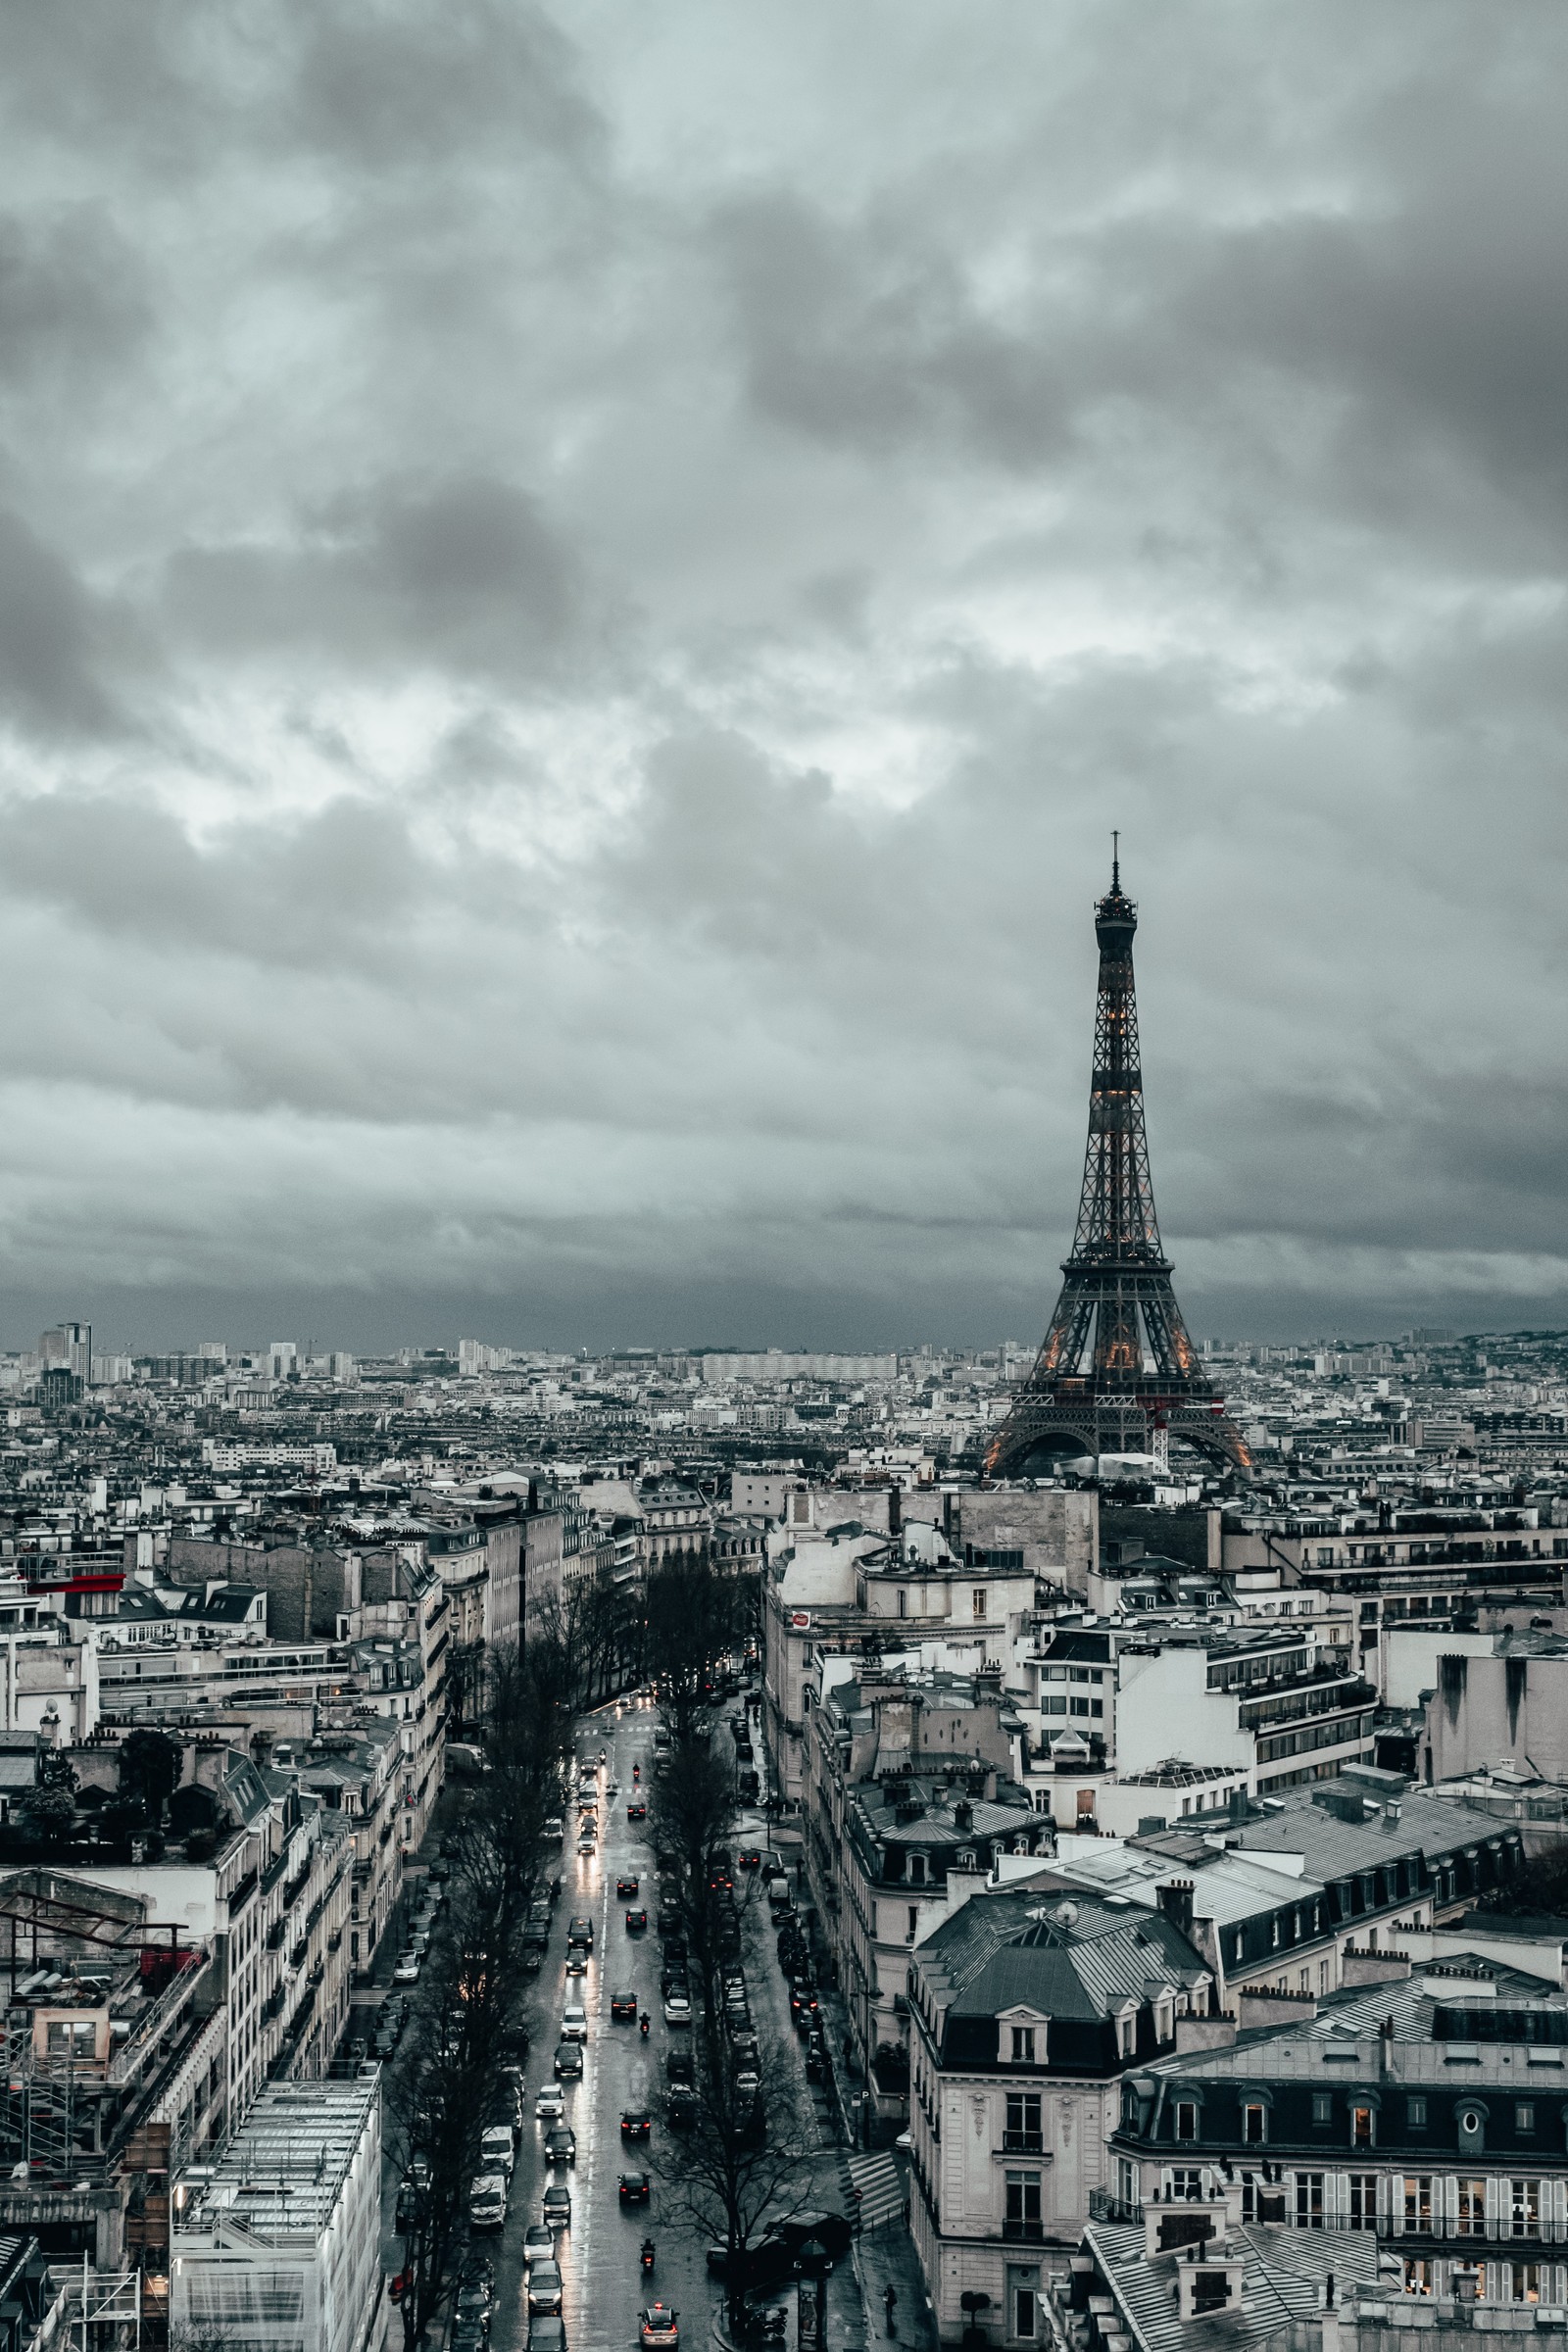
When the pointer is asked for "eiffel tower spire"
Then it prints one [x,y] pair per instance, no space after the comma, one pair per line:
[1116,1372]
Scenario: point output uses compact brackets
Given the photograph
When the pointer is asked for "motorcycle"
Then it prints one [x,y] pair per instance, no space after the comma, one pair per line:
[642,2025]
[647,2253]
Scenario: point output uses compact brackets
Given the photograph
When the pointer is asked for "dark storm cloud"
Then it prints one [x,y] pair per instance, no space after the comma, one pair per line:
[580,593]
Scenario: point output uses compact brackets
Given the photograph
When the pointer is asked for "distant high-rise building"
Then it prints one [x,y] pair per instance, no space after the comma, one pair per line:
[70,1345]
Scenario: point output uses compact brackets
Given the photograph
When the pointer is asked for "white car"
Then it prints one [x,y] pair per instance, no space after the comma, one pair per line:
[574,2021]
[538,2245]
[677,2010]
[487,2202]
[551,2104]
[406,1970]
[496,2151]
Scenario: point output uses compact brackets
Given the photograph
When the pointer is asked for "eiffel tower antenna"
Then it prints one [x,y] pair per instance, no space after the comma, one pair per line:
[1117,1371]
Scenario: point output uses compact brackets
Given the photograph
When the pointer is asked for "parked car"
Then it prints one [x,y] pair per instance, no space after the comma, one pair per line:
[555,1828]
[406,1970]
[487,2202]
[497,2153]
[677,2010]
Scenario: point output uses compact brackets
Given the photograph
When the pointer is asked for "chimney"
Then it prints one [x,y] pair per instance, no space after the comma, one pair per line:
[963,1816]
[1175,1899]
[1239,1807]
[894,1511]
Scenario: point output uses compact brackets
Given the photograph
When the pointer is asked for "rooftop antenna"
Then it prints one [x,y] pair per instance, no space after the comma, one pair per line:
[1115,862]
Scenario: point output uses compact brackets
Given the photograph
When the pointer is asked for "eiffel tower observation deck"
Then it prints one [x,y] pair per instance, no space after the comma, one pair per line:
[1116,1372]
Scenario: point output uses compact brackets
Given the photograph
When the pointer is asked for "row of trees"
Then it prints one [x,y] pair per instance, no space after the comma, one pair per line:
[739,2163]
[469,2014]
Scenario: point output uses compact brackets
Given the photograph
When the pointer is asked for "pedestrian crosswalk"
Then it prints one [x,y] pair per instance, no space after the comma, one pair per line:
[878,2185]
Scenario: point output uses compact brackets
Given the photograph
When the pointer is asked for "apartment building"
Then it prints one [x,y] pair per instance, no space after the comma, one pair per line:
[1027,2010]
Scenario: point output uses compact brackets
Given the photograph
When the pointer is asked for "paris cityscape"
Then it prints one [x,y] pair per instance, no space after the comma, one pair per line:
[801,773]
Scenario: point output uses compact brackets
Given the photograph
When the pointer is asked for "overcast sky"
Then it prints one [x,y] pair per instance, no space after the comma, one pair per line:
[580,591]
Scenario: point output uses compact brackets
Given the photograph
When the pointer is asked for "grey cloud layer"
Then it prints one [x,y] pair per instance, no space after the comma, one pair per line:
[580,593]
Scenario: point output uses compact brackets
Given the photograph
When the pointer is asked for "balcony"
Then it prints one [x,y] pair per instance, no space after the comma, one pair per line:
[1022,2143]
[1103,2207]
[1497,2229]
[1025,2233]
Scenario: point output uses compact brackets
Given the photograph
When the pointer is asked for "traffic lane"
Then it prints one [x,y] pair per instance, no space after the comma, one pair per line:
[602,2279]
[604,2286]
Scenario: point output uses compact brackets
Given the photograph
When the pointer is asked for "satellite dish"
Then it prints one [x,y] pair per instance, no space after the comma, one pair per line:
[1067,1916]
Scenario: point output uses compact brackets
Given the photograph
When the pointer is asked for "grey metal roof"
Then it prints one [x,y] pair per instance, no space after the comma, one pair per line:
[1064,1957]
[1283,2279]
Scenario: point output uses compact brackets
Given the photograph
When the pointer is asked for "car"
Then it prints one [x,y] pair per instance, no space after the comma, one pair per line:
[636,1920]
[576,1961]
[556,2205]
[544,2289]
[551,2104]
[574,2021]
[538,2245]
[487,2202]
[588,1845]
[568,2061]
[547,2333]
[635,2122]
[750,1857]
[677,2010]
[680,2108]
[635,2189]
[636,1810]
[658,2328]
[505,2106]
[469,2334]
[475,2298]
[496,2151]
[555,1828]
[406,1970]
[626,1886]
[718,1878]
[560,2145]
[623,2006]
[580,1929]
[679,2069]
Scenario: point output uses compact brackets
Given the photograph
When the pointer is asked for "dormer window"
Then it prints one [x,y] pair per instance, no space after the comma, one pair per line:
[1127,2032]
[915,1869]
[1023,2045]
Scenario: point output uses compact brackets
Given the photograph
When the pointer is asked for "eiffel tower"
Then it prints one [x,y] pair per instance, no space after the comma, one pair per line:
[1116,1372]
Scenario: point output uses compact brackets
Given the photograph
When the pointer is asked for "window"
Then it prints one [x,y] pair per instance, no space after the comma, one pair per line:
[1023,2313]
[1524,2118]
[1361,2126]
[1127,2030]
[1415,2113]
[1525,2282]
[1363,2200]
[1418,2201]
[1165,2021]
[1024,2121]
[1255,2123]
[1310,2200]
[1186,2184]
[916,1869]
[1023,2045]
[1187,2119]
[1023,2218]
[978,1601]
[1524,2208]
[1417,2276]
[1322,2106]
[914,1922]
[1472,2208]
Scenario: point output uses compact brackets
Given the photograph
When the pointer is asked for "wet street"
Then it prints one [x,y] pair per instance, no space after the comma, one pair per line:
[604,2285]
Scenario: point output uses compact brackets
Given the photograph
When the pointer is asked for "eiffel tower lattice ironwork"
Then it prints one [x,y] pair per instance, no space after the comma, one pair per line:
[1116,1372]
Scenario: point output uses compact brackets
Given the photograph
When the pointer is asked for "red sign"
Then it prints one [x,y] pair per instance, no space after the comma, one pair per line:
[800,1621]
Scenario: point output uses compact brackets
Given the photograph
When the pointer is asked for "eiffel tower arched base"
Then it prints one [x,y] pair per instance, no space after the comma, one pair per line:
[1042,1426]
